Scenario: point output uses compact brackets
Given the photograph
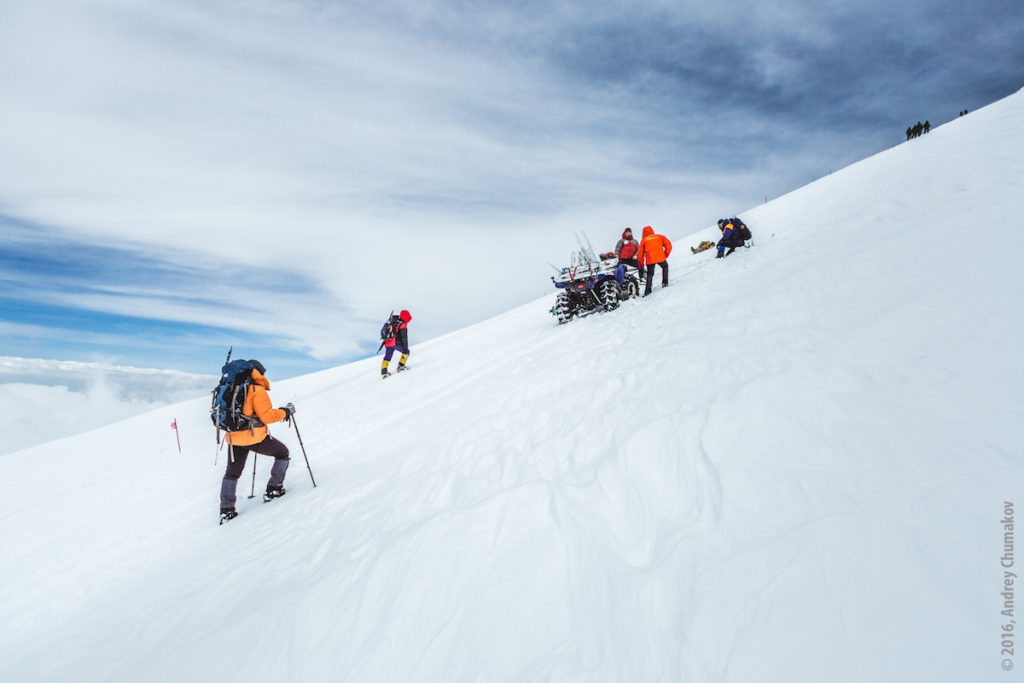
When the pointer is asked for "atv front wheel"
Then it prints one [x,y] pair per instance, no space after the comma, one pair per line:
[609,291]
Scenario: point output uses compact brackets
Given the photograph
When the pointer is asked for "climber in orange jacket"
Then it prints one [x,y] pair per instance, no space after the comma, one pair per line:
[256,439]
[654,250]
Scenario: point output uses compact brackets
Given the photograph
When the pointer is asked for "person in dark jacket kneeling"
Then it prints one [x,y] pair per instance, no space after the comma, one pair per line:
[731,237]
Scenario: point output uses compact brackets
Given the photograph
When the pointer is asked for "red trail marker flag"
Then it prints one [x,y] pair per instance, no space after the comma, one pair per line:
[174,426]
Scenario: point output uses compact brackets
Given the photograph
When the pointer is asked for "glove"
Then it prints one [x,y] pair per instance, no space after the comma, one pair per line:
[289,410]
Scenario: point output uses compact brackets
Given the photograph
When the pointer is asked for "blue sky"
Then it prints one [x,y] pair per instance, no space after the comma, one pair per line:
[179,177]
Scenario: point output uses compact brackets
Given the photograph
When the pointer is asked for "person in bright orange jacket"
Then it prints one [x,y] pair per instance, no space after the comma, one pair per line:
[654,250]
[257,439]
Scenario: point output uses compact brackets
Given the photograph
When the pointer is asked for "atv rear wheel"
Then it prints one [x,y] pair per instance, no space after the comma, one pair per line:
[563,308]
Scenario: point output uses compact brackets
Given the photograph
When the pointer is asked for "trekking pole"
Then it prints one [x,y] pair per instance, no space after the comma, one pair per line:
[296,425]
[252,492]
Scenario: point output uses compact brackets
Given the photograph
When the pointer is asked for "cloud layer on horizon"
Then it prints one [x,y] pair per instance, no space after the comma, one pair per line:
[42,400]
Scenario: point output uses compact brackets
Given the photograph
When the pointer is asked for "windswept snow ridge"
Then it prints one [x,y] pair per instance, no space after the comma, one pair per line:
[790,465]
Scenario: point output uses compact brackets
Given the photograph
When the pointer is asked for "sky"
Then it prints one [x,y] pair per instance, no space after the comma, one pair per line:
[277,177]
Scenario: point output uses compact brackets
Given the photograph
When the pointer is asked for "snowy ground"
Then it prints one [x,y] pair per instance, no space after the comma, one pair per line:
[790,465]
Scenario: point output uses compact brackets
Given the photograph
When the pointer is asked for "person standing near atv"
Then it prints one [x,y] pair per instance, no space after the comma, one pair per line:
[399,341]
[654,250]
[626,251]
[257,439]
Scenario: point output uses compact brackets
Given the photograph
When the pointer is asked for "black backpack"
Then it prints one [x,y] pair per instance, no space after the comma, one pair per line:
[390,328]
[741,229]
[229,398]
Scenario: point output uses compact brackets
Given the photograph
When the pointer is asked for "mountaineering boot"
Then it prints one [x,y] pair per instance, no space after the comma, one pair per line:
[272,493]
[384,370]
[227,514]
[401,366]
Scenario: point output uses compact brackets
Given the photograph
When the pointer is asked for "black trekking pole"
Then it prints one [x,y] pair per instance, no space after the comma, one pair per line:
[296,425]
[252,492]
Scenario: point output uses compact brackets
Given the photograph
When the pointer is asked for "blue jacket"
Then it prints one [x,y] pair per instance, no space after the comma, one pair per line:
[730,238]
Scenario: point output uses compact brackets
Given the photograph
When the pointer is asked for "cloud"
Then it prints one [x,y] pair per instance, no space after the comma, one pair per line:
[43,400]
[127,383]
[287,173]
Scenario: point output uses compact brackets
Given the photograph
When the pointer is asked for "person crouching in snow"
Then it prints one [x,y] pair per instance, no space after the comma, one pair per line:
[257,439]
[401,342]
[626,251]
[654,250]
[730,238]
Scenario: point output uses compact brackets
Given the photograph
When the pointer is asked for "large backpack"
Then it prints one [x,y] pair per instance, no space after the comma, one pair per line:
[226,411]
[741,229]
[390,328]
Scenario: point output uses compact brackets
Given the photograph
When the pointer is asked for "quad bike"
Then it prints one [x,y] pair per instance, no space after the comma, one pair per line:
[592,283]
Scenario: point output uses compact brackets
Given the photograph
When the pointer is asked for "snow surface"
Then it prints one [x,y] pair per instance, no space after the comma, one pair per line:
[790,465]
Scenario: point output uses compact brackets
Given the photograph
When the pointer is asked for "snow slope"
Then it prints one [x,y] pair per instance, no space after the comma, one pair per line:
[790,465]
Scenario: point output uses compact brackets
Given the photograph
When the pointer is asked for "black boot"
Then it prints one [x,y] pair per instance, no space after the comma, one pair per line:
[272,493]
[227,514]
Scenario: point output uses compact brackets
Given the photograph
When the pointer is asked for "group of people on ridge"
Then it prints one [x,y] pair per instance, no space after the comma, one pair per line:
[918,129]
